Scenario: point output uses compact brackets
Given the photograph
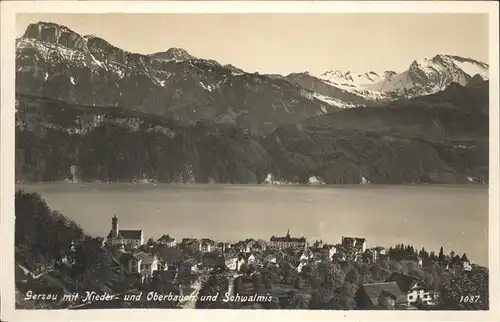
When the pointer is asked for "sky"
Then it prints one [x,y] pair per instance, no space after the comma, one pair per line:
[285,43]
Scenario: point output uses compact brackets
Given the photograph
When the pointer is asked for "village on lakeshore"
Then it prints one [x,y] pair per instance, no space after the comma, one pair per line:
[274,270]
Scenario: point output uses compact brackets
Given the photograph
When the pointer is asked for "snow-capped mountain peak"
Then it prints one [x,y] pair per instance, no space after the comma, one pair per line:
[351,78]
[431,75]
[357,83]
[87,62]
[452,64]
[423,77]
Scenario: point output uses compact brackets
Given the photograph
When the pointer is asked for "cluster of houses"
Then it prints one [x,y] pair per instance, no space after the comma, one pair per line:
[398,290]
[140,264]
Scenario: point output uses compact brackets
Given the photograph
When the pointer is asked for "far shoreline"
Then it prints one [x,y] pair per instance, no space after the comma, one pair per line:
[104,183]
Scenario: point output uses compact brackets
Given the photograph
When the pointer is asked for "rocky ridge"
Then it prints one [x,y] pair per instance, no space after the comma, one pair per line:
[54,61]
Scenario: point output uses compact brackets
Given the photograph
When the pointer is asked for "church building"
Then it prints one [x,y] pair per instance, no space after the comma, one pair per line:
[133,238]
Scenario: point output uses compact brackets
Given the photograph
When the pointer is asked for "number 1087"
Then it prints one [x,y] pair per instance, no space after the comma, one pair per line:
[469,299]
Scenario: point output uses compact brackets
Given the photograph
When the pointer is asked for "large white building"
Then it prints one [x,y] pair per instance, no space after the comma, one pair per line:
[132,238]
[287,241]
[355,243]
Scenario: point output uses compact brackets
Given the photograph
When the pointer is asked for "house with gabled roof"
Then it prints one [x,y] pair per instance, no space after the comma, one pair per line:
[458,262]
[414,288]
[190,243]
[355,243]
[257,246]
[141,263]
[116,236]
[387,294]
[374,254]
[271,259]
[236,262]
[188,266]
[222,247]
[240,246]
[306,255]
[167,240]
[324,251]
[318,244]
[254,259]
[250,245]
[207,245]
[405,282]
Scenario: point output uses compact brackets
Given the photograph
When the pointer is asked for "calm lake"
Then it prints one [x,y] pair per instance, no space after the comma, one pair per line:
[455,217]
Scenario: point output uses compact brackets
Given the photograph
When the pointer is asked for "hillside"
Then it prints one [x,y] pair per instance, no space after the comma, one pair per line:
[55,62]
[457,113]
[54,256]
[441,138]
[326,92]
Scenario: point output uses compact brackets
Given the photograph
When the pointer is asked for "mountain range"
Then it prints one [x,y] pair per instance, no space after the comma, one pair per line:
[192,119]
[423,77]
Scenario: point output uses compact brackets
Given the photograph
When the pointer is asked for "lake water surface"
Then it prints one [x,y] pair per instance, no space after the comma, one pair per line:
[455,217]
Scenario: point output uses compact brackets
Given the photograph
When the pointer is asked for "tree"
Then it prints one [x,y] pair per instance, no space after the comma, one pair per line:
[300,301]
[419,304]
[92,264]
[476,283]
[297,283]
[244,269]
[441,256]
[257,283]
[345,303]
[42,236]
[377,272]
[306,271]
[352,276]
[423,253]
[325,279]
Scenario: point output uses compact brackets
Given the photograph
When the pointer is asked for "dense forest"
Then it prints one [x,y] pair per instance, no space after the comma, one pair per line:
[45,241]
[435,139]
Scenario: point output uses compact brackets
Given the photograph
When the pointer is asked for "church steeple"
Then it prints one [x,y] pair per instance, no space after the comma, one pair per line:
[288,233]
[114,227]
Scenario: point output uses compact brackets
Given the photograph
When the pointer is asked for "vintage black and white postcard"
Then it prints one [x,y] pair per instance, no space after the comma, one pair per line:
[273,160]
